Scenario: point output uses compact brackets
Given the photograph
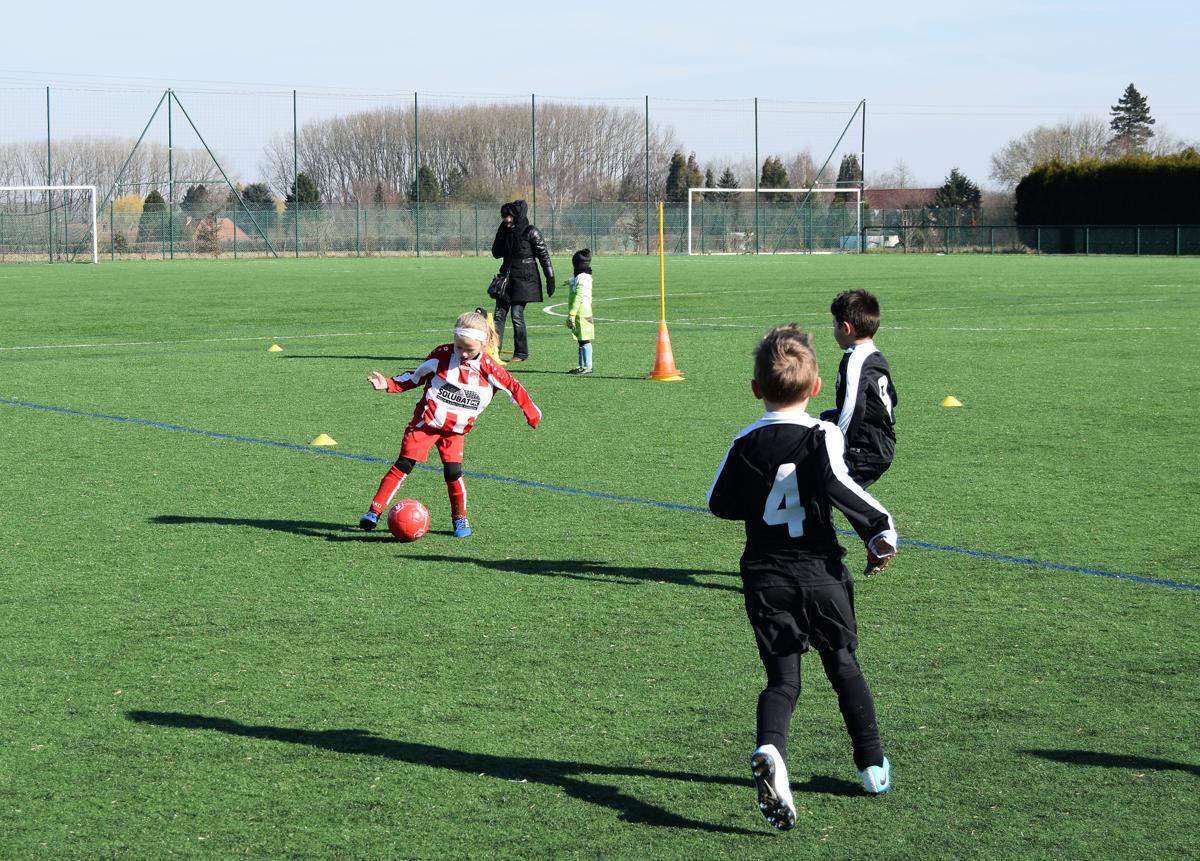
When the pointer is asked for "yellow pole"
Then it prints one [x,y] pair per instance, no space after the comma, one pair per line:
[662,268]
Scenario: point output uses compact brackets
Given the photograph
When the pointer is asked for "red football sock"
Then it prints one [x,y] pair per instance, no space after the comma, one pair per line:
[457,490]
[387,489]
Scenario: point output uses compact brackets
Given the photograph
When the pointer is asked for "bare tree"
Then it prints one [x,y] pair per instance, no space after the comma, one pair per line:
[1068,141]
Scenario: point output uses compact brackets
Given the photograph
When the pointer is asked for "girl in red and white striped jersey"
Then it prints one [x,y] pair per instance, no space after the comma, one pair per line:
[459,379]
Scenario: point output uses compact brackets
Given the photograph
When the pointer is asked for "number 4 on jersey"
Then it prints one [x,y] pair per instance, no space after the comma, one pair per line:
[783,504]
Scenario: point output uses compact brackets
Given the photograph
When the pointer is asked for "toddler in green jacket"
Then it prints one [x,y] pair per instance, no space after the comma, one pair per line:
[579,310]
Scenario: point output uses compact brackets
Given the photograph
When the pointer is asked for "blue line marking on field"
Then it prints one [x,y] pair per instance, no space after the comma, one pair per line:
[578,491]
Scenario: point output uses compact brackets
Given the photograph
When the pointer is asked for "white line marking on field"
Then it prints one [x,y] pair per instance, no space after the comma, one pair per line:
[715,322]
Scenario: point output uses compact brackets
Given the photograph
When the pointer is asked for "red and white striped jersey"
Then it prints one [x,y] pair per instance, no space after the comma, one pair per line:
[458,390]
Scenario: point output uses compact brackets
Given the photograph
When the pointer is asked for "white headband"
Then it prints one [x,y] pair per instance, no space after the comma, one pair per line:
[473,334]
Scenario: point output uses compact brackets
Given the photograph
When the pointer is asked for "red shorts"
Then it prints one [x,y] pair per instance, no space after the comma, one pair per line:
[418,441]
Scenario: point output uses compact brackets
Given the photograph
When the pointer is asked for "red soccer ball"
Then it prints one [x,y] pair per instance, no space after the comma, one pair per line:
[408,520]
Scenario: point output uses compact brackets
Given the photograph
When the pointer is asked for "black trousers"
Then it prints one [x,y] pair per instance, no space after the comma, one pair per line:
[520,336]
[787,620]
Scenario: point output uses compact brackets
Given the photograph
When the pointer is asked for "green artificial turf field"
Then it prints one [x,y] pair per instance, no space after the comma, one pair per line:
[202,656]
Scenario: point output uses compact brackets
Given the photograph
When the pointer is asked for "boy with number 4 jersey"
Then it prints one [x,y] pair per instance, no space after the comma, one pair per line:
[783,475]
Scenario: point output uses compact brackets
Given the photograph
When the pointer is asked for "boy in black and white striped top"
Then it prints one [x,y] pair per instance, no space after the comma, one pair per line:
[865,392]
[783,475]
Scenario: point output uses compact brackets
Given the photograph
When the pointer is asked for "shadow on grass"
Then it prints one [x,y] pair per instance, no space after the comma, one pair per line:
[563,775]
[1115,760]
[307,528]
[591,570]
[417,359]
[824,784]
[519,370]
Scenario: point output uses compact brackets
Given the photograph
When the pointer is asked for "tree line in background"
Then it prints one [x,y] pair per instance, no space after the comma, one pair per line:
[585,153]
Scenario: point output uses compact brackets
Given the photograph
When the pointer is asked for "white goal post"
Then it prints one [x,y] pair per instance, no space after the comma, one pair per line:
[856,191]
[90,189]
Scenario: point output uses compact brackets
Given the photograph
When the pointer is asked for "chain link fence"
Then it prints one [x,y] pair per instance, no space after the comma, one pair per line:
[233,173]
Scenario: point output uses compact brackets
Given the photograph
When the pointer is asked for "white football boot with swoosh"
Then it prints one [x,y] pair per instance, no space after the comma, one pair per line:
[774,793]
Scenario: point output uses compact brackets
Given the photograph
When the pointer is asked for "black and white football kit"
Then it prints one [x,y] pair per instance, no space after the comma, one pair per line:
[866,400]
[782,476]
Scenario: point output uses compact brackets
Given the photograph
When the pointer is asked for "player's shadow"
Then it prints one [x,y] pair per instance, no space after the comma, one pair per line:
[1115,760]
[308,528]
[561,774]
[358,358]
[592,571]
[520,370]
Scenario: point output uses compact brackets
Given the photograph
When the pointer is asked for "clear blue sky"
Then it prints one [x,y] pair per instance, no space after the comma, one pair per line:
[946,83]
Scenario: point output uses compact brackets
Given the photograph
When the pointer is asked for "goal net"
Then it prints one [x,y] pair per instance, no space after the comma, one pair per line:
[55,223]
[824,220]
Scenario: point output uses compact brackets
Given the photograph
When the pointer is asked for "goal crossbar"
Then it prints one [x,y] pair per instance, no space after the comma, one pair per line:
[91,196]
[854,190]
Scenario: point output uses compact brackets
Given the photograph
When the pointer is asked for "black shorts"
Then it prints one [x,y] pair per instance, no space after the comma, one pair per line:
[789,618]
[866,473]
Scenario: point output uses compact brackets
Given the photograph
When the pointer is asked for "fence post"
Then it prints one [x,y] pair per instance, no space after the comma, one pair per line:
[49,181]
[646,207]
[1177,240]
[112,234]
[162,239]
[1039,240]
[357,228]
[1138,240]
[756,173]
[592,223]
[170,177]
[1087,239]
[533,141]
[295,178]
[992,239]
[476,205]
[235,233]
[417,175]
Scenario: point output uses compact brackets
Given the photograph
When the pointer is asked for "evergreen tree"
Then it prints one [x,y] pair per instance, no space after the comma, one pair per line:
[457,185]
[379,198]
[695,179]
[957,192]
[155,222]
[1130,122]
[304,190]
[774,175]
[196,201]
[676,190]
[427,185]
[849,175]
[260,202]
[709,180]
[728,180]
[152,226]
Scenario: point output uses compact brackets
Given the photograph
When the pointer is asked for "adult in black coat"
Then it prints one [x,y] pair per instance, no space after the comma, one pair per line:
[519,244]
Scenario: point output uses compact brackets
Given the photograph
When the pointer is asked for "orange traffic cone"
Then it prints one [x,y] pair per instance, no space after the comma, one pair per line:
[664,359]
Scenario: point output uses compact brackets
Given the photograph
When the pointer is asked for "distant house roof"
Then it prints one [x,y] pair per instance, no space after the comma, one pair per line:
[899,198]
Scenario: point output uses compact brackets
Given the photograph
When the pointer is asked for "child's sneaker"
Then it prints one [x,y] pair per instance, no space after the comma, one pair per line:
[579,370]
[877,779]
[583,371]
[462,528]
[774,794]
[368,521]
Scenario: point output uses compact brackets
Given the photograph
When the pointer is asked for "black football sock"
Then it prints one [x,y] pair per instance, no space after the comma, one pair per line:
[777,702]
[857,705]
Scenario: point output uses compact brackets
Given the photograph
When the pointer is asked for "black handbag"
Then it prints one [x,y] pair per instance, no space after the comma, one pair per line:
[498,289]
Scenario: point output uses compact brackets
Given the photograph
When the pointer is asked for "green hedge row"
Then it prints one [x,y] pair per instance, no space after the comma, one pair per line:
[1130,190]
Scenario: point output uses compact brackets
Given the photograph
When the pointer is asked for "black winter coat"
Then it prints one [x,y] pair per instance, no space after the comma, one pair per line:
[521,247]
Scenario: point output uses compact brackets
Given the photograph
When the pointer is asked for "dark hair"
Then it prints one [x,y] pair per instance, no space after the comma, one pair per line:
[581,261]
[858,308]
[785,366]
